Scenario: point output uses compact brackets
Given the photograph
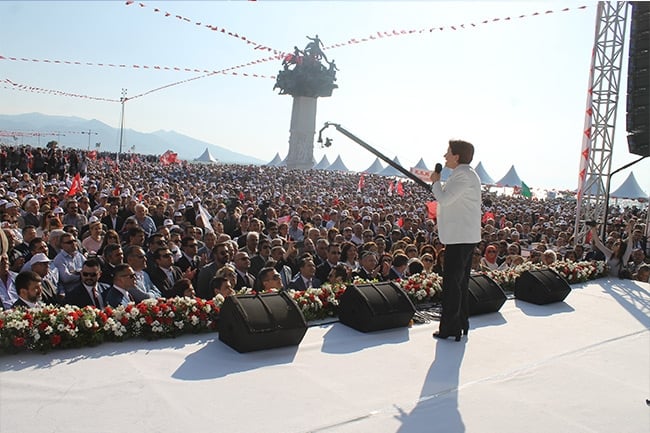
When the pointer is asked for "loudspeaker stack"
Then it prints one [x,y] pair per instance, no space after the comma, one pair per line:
[541,287]
[372,307]
[638,81]
[258,322]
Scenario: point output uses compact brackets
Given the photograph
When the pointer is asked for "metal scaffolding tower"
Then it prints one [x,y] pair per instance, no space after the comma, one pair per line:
[600,116]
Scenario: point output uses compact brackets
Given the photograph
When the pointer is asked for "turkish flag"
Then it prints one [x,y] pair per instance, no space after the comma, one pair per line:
[400,188]
[76,185]
[432,208]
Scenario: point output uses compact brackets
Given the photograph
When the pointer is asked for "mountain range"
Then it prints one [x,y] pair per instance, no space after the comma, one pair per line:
[79,133]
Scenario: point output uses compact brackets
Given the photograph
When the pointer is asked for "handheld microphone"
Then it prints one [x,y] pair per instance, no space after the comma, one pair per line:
[438,168]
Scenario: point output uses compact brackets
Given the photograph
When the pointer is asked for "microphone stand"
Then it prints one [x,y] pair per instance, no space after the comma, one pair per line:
[405,172]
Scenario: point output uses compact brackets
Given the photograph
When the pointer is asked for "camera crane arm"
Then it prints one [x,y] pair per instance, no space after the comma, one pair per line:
[405,172]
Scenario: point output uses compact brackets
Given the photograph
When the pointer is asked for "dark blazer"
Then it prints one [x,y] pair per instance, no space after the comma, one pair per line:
[364,275]
[160,280]
[79,295]
[241,282]
[20,303]
[203,279]
[114,297]
[323,270]
[108,222]
[392,275]
[299,284]
[48,293]
[257,263]
[184,264]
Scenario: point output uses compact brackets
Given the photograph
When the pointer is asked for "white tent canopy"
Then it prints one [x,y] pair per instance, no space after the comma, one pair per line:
[337,165]
[486,179]
[323,164]
[375,168]
[390,170]
[629,189]
[276,161]
[511,178]
[421,165]
[206,157]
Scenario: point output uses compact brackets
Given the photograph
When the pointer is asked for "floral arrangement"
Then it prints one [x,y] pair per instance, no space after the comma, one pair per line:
[573,272]
[51,327]
[320,303]
[423,287]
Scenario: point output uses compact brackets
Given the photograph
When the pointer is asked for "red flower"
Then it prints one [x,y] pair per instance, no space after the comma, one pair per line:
[148,320]
[19,341]
[42,326]
[2,324]
[55,340]
[124,320]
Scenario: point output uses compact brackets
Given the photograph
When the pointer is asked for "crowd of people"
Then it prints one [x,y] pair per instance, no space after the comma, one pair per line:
[87,228]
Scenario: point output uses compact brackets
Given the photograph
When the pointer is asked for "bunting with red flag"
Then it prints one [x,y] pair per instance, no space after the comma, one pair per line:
[362,182]
[390,188]
[400,188]
[168,157]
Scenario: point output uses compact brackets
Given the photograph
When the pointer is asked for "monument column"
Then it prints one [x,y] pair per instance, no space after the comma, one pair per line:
[306,79]
[301,134]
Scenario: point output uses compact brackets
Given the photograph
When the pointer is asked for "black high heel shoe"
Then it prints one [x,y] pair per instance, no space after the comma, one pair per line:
[466,330]
[445,336]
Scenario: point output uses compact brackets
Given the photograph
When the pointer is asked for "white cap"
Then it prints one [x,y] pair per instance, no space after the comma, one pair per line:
[10,204]
[58,210]
[38,258]
[168,222]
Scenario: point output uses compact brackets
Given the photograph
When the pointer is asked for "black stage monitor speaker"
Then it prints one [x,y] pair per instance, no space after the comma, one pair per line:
[372,307]
[638,81]
[541,287]
[257,322]
[485,295]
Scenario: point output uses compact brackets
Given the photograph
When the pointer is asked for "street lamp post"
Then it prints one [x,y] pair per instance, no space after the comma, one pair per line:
[123,99]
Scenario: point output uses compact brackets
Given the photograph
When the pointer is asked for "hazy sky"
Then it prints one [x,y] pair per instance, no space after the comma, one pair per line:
[515,88]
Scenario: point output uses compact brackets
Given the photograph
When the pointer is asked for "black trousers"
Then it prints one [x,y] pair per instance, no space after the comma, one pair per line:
[455,283]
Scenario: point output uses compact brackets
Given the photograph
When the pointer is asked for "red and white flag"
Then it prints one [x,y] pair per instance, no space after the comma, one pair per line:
[400,188]
[76,185]
[362,182]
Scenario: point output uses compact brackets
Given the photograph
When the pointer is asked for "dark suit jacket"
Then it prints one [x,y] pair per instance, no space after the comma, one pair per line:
[160,280]
[392,275]
[363,274]
[257,263]
[48,293]
[79,295]
[108,222]
[183,264]
[114,297]
[204,277]
[323,271]
[299,284]
[20,303]
[241,282]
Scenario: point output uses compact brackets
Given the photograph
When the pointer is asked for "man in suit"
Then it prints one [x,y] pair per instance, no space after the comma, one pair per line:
[123,281]
[112,256]
[258,261]
[113,221]
[368,269]
[188,259]
[398,269]
[89,291]
[306,278]
[164,274]
[28,288]
[220,257]
[144,288]
[242,265]
[333,255]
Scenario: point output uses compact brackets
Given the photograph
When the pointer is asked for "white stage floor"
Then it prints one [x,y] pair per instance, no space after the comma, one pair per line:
[578,366]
